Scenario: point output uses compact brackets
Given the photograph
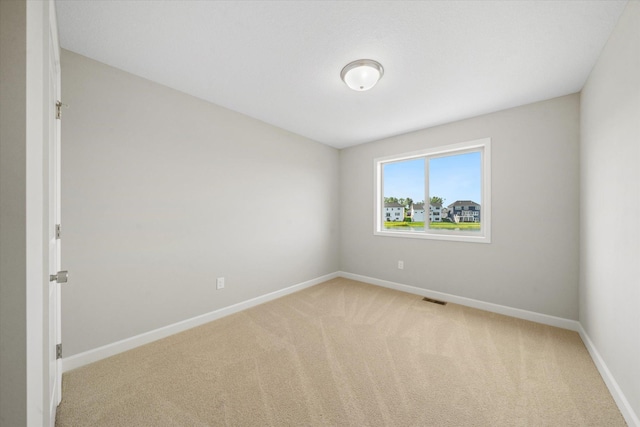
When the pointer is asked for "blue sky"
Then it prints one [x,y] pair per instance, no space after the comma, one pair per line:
[456,177]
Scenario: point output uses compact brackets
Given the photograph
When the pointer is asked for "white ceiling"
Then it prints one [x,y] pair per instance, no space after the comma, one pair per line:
[280,61]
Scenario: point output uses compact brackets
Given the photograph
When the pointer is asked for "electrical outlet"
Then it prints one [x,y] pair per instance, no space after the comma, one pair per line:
[400,265]
[220,283]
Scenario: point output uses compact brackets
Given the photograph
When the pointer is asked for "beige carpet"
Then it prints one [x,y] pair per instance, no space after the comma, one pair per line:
[347,353]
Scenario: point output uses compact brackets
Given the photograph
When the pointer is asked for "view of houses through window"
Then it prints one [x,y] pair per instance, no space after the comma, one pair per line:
[437,193]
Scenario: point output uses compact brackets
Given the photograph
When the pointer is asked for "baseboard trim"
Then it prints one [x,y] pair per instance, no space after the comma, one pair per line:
[545,319]
[623,404]
[90,356]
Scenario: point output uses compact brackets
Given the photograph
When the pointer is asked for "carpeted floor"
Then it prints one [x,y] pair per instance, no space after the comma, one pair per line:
[347,353]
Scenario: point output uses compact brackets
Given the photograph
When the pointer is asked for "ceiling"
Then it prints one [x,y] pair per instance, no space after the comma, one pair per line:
[280,61]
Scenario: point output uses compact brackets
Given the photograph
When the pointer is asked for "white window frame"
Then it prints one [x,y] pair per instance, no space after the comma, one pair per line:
[482,145]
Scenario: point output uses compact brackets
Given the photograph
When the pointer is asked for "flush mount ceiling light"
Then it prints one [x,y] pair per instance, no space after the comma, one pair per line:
[362,74]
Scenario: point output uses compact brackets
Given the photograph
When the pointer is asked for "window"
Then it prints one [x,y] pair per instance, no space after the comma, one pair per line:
[453,179]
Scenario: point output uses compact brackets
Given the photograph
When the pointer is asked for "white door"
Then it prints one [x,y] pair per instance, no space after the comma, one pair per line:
[54,380]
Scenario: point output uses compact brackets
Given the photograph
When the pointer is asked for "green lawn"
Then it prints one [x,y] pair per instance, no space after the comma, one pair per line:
[393,224]
[453,225]
[435,225]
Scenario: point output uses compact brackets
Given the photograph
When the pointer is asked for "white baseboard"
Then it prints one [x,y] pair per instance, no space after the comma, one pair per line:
[623,404]
[545,319]
[81,359]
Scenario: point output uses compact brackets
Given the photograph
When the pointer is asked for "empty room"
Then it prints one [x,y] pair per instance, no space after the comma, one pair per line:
[358,213]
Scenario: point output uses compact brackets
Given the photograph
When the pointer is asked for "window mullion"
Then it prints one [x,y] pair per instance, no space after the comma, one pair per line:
[427,200]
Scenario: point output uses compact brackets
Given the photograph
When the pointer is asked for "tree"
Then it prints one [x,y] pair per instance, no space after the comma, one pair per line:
[391,200]
[404,202]
[435,200]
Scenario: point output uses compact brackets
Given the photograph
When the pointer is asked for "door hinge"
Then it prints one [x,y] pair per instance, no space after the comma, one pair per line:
[57,231]
[59,351]
[59,106]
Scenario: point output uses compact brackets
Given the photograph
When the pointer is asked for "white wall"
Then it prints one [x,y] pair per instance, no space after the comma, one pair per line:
[532,262]
[163,192]
[610,203]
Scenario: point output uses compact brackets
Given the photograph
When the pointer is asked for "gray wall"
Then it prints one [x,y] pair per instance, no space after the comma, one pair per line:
[610,204]
[13,268]
[25,112]
[163,192]
[532,262]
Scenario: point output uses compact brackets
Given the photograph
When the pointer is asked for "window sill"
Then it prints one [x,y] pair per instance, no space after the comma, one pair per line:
[482,238]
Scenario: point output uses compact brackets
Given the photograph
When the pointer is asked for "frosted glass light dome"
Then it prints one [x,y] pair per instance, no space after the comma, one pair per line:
[362,74]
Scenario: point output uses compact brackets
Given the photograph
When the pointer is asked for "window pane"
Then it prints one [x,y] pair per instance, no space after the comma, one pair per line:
[458,193]
[403,188]
[455,191]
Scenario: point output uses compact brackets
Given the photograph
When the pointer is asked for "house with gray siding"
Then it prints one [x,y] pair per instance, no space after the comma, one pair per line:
[465,211]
